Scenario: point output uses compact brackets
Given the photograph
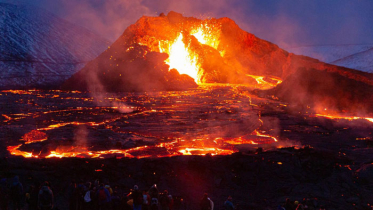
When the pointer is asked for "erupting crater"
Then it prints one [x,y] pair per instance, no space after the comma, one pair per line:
[164,72]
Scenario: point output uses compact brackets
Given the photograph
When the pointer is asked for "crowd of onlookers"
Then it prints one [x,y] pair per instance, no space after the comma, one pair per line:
[305,204]
[101,196]
[13,196]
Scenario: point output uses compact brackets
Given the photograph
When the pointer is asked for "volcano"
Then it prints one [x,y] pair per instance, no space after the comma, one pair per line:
[255,144]
[176,52]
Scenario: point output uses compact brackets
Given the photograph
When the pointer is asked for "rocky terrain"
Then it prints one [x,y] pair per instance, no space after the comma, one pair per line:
[255,181]
[327,161]
[280,146]
[321,89]
[39,49]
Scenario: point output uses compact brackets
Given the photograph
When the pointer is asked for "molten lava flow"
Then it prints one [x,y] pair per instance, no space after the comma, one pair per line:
[34,136]
[14,150]
[185,59]
[263,135]
[208,36]
[370,119]
[175,124]
[266,82]
[205,151]
[182,59]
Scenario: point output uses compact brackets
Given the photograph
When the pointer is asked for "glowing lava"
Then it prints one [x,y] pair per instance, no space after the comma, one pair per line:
[182,59]
[265,82]
[370,119]
[208,36]
[175,124]
[34,136]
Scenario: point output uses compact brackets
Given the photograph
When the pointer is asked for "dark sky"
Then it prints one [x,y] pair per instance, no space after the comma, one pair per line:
[283,22]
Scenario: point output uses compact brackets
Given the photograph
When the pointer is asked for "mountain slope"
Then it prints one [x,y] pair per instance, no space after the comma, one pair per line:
[361,61]
[350,56]
[40,49]
[233,55]
[135,62]
[329,53]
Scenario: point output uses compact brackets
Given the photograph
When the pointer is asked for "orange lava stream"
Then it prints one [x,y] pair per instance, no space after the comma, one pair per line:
[7,118]
[265,136]
[202,146]
[14,150]
[263,84]
[173,148]
[205,150]
[344,117]
[84,153]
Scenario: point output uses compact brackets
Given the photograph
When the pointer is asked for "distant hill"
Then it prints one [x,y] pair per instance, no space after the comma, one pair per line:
[39,49]
[351,56]
[361,61]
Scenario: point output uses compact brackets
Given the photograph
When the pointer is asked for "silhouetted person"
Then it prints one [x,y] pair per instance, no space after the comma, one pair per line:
[228,205]
[205,203]
[45,198]
[32,200]
[178,202]
[164,201]
[288,204]
[16,193]
[145,200]
[87,198]
[71,190]
[4,195]
[104,198]
[137,198]
[154,195]
[115,201]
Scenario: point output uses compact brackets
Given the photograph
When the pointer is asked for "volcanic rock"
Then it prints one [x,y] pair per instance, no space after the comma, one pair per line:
[308,87]
[130,68]
[136,62]
[365,174]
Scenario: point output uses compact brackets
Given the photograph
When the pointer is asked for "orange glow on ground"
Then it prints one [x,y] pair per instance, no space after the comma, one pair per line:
[174,148]
[157,142]
[370,119]
[266,82]
[34,136]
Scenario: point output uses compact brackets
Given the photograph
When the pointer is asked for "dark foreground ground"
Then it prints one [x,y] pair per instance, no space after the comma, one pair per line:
[326,161]
[255,181]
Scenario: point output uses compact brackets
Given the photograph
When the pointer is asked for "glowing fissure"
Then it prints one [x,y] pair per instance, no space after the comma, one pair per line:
[206,36]
[263,84]
[370,119]
[173,148]
[168,144]
[181,58]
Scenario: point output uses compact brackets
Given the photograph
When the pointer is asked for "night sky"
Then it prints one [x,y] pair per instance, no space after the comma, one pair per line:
[283,22]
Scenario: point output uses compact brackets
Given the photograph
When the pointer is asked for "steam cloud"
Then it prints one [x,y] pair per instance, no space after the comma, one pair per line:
[80,136]
[99,94]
